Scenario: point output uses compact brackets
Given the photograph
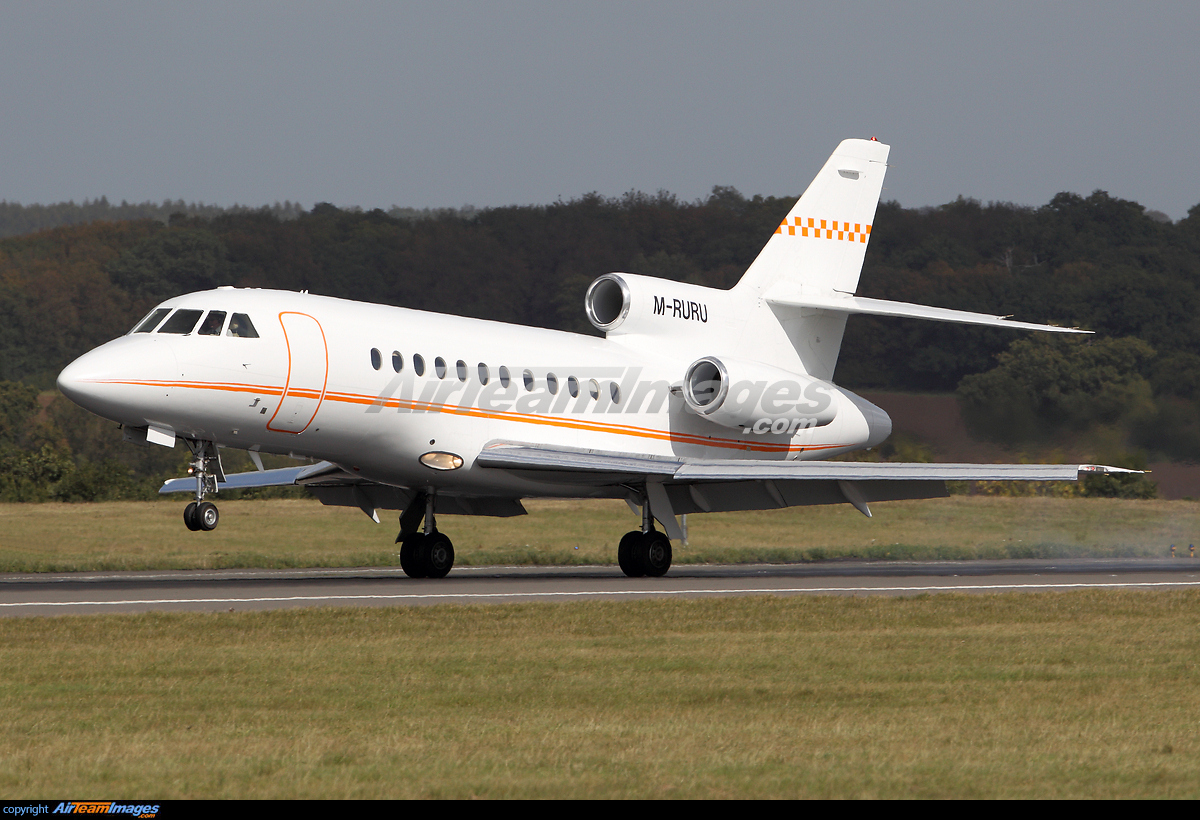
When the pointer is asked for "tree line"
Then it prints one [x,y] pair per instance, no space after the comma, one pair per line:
[1093,261]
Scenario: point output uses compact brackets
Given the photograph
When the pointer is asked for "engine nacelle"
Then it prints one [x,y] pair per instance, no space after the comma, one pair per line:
[743,394]
[628,303]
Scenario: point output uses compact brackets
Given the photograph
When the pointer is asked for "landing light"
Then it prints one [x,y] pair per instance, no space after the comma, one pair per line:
[442,461]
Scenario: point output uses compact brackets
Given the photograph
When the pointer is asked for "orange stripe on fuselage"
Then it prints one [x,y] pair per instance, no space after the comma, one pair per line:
[496,415]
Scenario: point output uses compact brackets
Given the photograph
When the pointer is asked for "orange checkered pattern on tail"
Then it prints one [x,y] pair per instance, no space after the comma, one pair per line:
[825,229]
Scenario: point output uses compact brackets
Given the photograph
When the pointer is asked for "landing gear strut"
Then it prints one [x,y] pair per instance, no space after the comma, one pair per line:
[645,551]
[427,553]
[206,467]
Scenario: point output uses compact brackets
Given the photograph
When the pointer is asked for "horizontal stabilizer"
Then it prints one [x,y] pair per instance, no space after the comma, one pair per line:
[788,296]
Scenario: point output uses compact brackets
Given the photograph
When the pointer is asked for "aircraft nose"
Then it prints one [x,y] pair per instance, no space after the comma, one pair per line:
[75,380]
[121,380]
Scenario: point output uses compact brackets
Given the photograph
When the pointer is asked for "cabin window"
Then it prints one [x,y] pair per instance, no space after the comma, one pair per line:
[376,358]
[593,389]
[240,325]
[150,322]
[484,374]
[461,367]
[615,392]
[504,378]
[212,324]
[527,377]
[439,367]
[552,382]
[182,321]
[418,364]
[397,361]
[573,386]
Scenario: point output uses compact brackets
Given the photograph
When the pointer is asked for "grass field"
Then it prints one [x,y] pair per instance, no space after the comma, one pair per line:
[289,533]
[1081,694]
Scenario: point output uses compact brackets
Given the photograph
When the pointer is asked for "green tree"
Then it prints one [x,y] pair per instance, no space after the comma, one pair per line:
[171,262]
[18,404]
[1047,384]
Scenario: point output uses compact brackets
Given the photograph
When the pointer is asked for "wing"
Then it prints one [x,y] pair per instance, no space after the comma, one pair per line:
[334,486]
[677,486]
[281,477]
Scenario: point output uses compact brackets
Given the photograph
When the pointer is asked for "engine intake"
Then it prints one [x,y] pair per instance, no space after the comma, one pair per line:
[741,394]
[607,301]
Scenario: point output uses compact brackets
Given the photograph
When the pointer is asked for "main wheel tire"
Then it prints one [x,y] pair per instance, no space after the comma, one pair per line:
[439,555]
[655,554]
[207,516]
[411,549]
[628,554]
[189,517]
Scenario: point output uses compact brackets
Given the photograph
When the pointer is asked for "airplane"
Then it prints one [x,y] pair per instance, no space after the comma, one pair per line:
[695,400]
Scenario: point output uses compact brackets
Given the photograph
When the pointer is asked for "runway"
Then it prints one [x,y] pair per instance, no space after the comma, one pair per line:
[241,590]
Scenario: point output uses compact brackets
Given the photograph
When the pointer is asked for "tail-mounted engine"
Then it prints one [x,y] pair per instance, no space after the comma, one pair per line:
[627,303]
[742,394]
[607,302]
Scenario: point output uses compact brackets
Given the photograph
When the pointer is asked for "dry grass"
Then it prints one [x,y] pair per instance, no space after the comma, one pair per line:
[285,533]
[1083,694]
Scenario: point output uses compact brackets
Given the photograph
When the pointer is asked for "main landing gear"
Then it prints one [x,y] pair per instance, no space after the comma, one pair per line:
[424,553]
[646,551]
[206,467]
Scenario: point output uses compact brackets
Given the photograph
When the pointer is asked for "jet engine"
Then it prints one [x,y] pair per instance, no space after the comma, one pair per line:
[743,394]
[624,304]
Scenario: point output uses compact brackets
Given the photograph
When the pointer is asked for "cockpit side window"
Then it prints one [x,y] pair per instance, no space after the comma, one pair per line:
[212,324]
[181,321]
[240,325]
[150,322]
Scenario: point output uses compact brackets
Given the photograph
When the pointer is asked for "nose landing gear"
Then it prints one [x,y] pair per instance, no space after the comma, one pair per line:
[206,467]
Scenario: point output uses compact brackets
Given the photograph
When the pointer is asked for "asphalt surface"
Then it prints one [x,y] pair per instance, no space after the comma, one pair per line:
[239,590]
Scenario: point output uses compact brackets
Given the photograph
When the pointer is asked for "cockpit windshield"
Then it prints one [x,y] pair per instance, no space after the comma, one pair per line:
[182,321]
[212,324]
[240,325]
[150,322]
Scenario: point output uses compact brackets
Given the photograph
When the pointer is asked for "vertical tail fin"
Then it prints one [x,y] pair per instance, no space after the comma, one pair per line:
[821,244]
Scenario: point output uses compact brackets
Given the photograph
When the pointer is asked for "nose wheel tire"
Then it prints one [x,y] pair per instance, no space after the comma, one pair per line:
[207,515]
[189,517]
[201,516]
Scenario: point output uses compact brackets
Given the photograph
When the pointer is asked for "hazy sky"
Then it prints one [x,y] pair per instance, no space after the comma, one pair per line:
[447,103]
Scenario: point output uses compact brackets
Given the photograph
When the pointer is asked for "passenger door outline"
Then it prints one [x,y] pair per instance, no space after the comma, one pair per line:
[304,373]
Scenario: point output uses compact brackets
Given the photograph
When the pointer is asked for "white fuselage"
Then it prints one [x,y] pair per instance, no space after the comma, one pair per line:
[309,384]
